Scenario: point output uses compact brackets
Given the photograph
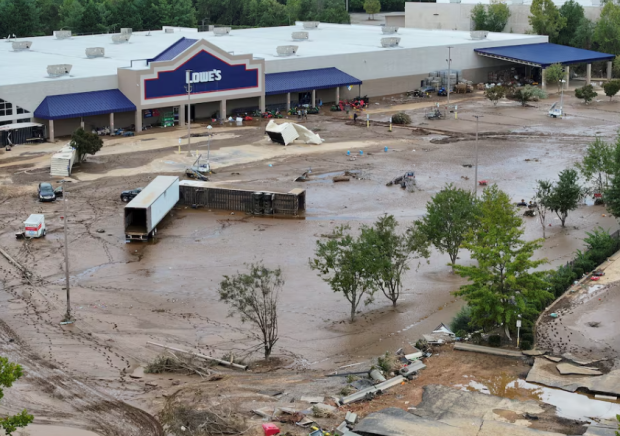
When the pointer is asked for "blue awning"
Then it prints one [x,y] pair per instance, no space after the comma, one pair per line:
[307,80]
[544,54]
[83,104]
[174,50]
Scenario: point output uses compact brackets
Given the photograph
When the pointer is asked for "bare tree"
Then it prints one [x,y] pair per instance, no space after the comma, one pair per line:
[542,194]
[254,297]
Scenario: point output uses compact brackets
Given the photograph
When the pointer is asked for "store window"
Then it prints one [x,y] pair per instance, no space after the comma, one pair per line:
[6,108]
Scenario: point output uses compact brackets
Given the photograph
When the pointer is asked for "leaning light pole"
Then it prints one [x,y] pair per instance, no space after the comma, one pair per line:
[68,317]
[188,88]
[477,117]
[449,72]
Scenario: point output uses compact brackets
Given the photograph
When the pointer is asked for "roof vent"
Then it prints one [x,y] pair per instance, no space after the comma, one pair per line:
[95,52]
[479,34]
[300,36]
[62,34]
[125,30]
[287,50]
[221,31]
[169,30]
[21,45]
[311,24]
[389,30]
[390,42]
[120,38]
[59,70]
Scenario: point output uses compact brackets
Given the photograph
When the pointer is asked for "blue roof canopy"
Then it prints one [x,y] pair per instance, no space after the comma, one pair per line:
[83,104]
[307,80]
[174,50]
[544,54]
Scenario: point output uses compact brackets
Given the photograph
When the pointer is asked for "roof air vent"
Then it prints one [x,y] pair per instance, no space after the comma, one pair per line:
[300,36]
[311,24]
[390,42]
[95,52]
[221,31]
[59,70]
[286,50]
[389,30]
[62,34]
[169,30]
[120,38]
[479,34]
[21,45]
[126,30]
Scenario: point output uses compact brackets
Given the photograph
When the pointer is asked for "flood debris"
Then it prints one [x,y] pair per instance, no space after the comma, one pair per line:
[341,179]
[406,181]
[568,368]
[312,399]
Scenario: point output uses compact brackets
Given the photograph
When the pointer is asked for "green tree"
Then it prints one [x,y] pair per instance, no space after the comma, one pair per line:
[612,194]
[479,17]
[611,88]
[49,15]
[125,13]
[9,373]
[85,143]
[164,12]
[346,264]
[334,12]
[150,14]
[497,16]
[501,285]
[254,297]
[554,74]
[71,13]
[597,165]
[19,17]
[573,13]
[372,7]
[584,34]
[586,93]
[392,253]
[545,18]
[495,94]
[564,195]
[607,29]
[273,14]
[542,194]
[91,20]
[528,93]
[183,13]
[450,214]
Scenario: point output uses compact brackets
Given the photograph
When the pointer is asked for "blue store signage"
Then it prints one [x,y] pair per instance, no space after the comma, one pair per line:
[209,74]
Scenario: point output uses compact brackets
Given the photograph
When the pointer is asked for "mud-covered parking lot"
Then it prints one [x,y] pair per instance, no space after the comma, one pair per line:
[125,294]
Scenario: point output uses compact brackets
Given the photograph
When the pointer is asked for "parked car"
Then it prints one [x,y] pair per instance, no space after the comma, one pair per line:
[127,196]
[46,192]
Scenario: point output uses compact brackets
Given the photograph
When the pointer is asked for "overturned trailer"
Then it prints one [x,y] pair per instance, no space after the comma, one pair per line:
[209,195]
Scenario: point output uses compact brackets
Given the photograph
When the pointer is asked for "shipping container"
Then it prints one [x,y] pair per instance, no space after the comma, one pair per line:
[149,207]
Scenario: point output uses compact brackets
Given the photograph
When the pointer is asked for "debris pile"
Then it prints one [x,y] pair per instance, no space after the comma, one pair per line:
[286,133]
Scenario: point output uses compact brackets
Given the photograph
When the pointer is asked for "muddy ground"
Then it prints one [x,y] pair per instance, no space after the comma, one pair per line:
[166,291]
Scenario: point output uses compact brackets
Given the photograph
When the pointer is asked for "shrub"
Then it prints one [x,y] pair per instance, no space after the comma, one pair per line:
[529,93]
[495,340]
[461,334]
[476,338]
[611,88]
[401,118]
[388,362]
[462,321]
[586,93]
[495,94]
[525,345]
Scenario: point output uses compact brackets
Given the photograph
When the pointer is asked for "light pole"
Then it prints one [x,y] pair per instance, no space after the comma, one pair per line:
[209,128]
[188,88]
[562,98]
[68,317]
[449,71]
[518,329]
[476,163]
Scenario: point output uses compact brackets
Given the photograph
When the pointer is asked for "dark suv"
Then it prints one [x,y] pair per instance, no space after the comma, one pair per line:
[127,196]
[46,192]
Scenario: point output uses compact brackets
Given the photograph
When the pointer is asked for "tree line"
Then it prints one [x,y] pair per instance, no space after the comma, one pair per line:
[25,18]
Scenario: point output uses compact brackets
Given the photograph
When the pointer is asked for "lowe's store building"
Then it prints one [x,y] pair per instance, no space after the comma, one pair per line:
[137,79]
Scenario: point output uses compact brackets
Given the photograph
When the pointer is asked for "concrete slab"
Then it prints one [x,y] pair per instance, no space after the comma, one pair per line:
[554,359]
[534,352]
[137,373]
[545,373]
[312,399]
[578,360]
[569,368]
[487,350]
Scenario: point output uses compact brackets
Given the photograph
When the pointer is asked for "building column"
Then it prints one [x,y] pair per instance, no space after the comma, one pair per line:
[588,74]
[567,78]
[543,83]
[51,132]
[138,122]
[223,109]
[181,115]
[112,122]
[82,122]
[337,94]
[288,101]
[314,98]
[609,66]
[261,103]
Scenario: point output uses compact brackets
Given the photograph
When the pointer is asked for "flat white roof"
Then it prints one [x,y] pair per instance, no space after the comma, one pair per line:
[30,66]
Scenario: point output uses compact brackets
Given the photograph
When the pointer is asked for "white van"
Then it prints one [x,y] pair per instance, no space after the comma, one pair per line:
[34,226]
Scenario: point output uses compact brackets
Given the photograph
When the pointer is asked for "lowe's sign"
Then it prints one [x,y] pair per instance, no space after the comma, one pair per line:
[208,74]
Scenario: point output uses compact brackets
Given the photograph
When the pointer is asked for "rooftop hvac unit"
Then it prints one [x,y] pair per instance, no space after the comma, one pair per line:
[311,24]
[62,34]
[21,45]
[300,36]
[59,70]
[389,30]
[120,38]
[221,31]
[95,52]
[479,34]
[169,30]
[286,50]
[390,42]
[125,30]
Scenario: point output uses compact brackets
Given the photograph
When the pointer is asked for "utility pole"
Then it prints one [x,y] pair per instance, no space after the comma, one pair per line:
[64,203]
[449,71]
[476,170]
[209,146]
[188,88]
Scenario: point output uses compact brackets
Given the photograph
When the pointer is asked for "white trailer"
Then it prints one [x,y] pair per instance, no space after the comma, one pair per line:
[144,213]
[34,227]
